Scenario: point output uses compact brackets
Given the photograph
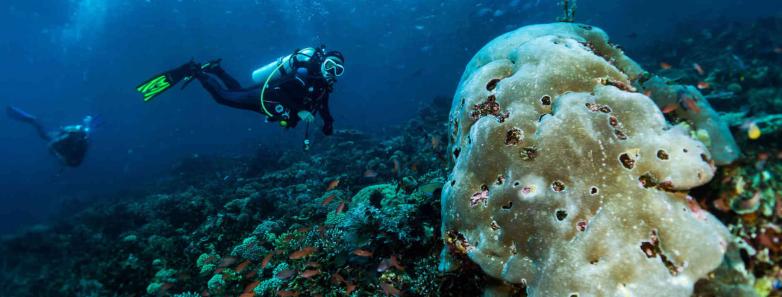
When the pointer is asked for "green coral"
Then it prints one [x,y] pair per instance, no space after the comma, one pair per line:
[216,283]
[250,248]
[268,286]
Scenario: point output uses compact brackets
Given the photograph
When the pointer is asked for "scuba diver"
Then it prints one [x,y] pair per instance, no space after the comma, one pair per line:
[288,90]
[68,143]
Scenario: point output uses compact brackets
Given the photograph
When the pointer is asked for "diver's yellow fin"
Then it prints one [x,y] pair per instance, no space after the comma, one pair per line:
[155,86]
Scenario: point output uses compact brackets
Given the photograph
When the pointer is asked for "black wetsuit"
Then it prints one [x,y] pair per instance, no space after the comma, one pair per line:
[283,99]
[70,145]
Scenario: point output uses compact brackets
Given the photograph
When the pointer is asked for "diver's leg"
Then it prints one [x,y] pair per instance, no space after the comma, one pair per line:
[22,116]
[234,98]
[230,82]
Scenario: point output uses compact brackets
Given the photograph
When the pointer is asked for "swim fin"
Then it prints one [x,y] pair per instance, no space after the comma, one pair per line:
[20,115]
[164,81]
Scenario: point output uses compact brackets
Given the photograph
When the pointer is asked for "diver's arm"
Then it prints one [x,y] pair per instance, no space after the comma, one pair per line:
[325,113]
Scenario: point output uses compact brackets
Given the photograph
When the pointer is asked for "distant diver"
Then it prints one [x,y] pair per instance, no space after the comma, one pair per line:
[291,89]
[68,143]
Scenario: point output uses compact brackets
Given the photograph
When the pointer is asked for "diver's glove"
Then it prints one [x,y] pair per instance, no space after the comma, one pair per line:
[306,116]
[328,129]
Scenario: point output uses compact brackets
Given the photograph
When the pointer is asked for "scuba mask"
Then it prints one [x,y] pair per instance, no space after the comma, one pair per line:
[332,68]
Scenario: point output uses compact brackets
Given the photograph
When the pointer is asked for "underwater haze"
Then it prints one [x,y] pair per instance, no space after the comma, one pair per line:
[67,59]
[182,158]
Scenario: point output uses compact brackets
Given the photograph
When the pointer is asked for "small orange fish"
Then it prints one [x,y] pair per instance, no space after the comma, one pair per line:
[370,173]
[648,93]
[288,293]
[242,266]
[309,273]
[341,207]
[304,229]
[697,68]
[266,260]
[327,200]
[665,66]
[396,166]
[763,156]
[669,108]
[350,287]
[395,263]
[691,105]
[337,278]
[333,185]
[302,253]
[312,264]
[362,253]
[286,274]
[414,167]
[703,85]
[435,142]
[250,287]
[389,289]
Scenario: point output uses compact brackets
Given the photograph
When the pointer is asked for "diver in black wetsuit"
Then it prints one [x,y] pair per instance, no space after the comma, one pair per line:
[291,89]
[68,143]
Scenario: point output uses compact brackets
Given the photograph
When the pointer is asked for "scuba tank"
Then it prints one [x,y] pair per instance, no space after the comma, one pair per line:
[270,72]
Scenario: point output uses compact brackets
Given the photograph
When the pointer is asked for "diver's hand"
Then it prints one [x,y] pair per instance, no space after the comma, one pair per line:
[328,129]
[306,116]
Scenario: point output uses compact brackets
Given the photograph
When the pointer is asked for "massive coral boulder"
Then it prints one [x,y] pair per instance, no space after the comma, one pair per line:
[568,180]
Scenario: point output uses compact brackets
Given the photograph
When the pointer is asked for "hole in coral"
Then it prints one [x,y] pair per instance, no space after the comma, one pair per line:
[705,158]
[494,225]
[613,121]
[545,100]
[540,119]
[561,214]
[557,186]
[585,27]
[574,295]
[516,184]
[508,205]
[593,262]
[605,109]
[469,139]
[593,191]
[581,225]
[626,161]
[463,102]
[514,136]
[619,134]
[484,187]
[529,153]
[453,182]
[685,150]
[648,249]
[662,155]
[647,180]
[492,84]
[500,179]
[456,153]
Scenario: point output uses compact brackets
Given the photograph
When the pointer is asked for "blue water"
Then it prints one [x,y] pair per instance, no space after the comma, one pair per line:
[65,59]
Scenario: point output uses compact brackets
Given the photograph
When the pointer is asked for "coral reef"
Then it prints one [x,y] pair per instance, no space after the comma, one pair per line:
[600,208]
[576,145]
[358,216]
